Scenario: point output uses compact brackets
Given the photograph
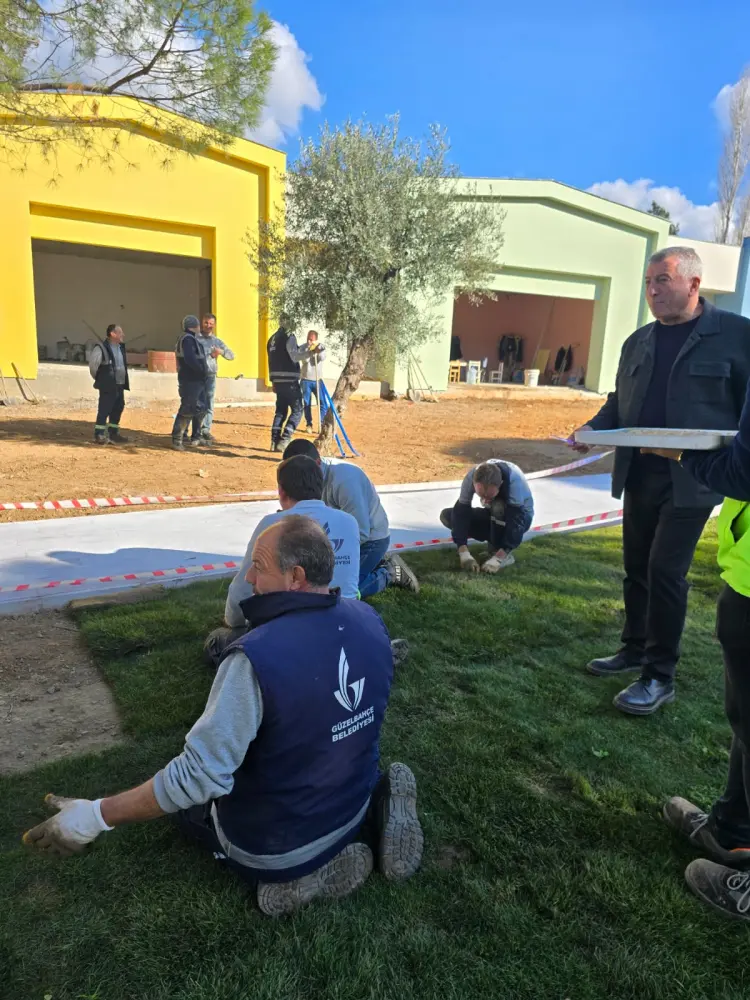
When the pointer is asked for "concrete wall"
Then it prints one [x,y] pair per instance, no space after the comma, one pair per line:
[197,206]
[147,300]
[566,243]
[543,322]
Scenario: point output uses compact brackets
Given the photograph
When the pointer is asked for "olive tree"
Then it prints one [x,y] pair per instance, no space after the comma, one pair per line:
[208,62]
[377,230]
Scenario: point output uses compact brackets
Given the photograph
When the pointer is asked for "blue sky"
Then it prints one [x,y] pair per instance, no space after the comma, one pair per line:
[584,92]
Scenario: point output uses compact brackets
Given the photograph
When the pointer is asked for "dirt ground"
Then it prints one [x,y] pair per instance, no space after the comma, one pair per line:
[53,703]
[47,452]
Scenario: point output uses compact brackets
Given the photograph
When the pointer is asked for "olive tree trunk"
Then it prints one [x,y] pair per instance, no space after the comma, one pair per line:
[349,379]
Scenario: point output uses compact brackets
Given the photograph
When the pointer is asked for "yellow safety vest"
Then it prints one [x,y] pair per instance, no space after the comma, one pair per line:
[734,545]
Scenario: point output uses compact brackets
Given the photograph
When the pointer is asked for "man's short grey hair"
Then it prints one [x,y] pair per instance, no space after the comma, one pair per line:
[488,474]
[689,264]
[302,542]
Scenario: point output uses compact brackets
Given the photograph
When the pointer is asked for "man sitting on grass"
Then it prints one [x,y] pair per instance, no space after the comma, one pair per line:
[503,519]
[300,483]
[279,777]
[347,487]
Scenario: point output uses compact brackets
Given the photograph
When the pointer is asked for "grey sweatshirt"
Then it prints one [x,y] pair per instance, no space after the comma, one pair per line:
[214,749]
[519,491]
[346,487]
[208,344]
[307,368]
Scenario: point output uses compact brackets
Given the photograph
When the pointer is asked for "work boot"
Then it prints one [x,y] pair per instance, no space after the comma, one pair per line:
[193,443]
[178,444]
[723,889]
[446,518]
[275,445]
[310,429]
[116,437]
[400,836]
[621,663]
[199,442]
[342,876]
[645,696]
[179,427]
[399,651]
[208,436]
[100,436]
[697,826]
[400,574]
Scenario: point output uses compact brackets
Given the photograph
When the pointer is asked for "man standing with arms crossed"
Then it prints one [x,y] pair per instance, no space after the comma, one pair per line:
[688,369]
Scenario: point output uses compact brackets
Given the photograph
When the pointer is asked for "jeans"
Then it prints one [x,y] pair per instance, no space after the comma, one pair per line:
[310,389]
[210,393]
[111,405]
[659,541]
[288,402]
[730,815]
[373,577]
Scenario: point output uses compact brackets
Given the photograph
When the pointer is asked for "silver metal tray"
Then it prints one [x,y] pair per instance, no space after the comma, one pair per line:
[678,438]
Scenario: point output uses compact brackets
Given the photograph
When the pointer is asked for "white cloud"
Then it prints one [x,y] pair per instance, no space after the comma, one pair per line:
[695,221]
[292,89]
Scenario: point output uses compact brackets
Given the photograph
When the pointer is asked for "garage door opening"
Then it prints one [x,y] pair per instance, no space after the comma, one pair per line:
[516,331]
[78,287]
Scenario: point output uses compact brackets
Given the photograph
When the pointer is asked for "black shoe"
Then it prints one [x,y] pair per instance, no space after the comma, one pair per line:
[621,663]
[118,438]
[645,696]
[696,826]
[400,574]
[723,889]
[401,840]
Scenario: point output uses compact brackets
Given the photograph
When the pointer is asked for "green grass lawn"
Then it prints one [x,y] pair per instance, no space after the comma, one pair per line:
[548,871]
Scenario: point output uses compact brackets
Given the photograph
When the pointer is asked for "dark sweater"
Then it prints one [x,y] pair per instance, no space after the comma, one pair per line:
[668,342]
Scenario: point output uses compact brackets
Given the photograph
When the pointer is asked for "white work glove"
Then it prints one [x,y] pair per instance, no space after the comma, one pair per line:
[468,562]
[78,823]
[492,565]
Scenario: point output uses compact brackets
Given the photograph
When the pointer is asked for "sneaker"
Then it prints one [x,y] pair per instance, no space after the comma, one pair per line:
[723,889]
[401,575]
[310,429]
[116,438]
[399,651]
[694,825]
[342,876]
[509,560]
[401,840]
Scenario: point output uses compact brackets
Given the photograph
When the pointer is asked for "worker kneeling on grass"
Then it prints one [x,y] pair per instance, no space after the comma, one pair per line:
[279,777]
[503,519]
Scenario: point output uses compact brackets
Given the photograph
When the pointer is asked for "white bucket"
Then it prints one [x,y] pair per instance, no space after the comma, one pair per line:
[531,376]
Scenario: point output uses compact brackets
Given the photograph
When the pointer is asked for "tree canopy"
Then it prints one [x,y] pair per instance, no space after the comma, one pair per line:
[661,213]
[378,228]
[207,61]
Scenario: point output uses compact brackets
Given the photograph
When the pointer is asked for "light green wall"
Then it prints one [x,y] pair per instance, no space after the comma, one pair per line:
[567,243]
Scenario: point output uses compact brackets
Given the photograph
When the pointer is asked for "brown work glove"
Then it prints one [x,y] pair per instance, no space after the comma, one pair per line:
[78,823]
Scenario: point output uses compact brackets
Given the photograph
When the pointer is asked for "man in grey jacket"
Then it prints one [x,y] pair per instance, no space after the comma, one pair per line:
[311,375]
[279,777]
[347,487]
[214,348]
[689,369]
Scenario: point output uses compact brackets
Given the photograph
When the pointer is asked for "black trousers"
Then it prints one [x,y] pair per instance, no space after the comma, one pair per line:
[730,814]
[288,401]
[659,542]
[484,524]
[111,405]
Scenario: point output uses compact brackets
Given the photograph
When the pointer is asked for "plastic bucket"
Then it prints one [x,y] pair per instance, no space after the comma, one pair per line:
[531,376]
[471,375]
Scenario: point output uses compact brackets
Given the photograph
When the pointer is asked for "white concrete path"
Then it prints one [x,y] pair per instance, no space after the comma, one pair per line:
[35,553]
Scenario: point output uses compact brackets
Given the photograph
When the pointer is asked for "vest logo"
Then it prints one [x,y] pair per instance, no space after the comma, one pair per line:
[335,542]
[351,703]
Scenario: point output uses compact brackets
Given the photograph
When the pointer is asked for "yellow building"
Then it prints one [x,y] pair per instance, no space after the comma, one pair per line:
[140,241]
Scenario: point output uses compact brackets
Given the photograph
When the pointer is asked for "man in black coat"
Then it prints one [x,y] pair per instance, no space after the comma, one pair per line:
[108,364]
[192,378]
[689,369]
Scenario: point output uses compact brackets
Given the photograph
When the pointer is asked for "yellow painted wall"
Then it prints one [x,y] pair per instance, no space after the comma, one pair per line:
[201,206]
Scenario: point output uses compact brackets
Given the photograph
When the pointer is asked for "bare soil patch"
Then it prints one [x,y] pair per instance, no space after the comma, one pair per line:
[53,703]
[47,452]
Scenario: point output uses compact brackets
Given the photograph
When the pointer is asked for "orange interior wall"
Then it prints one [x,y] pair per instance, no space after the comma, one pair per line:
[558,322]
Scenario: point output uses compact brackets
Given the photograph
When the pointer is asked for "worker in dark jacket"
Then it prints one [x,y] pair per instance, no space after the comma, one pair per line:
[724,832]
[503,519]
[192,377]
[108,364]
[689,369]
[284,356]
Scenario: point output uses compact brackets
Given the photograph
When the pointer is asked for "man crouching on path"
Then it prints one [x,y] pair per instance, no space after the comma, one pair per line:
[503,519]
[279,777]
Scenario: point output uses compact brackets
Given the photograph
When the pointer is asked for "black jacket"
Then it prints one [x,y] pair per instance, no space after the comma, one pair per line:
[706,391]
[192,365]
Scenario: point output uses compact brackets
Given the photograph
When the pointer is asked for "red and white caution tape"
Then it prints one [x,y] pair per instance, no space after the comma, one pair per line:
[96,503]
[221,568]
